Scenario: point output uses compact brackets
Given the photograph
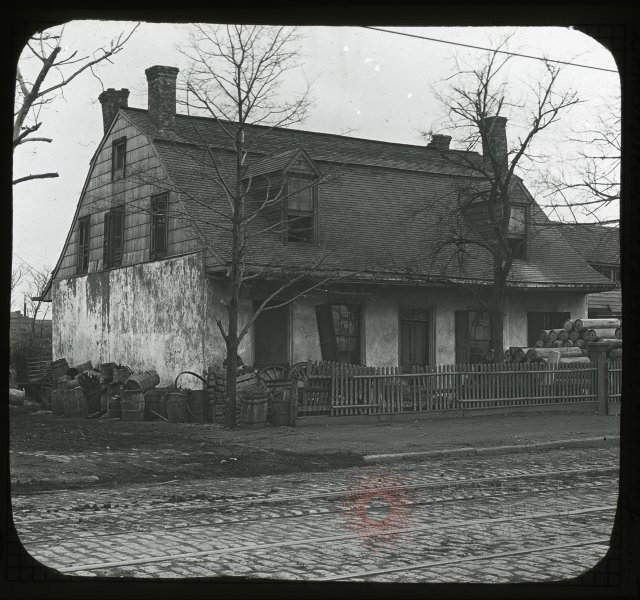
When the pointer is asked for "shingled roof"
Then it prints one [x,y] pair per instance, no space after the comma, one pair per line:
[384,208]
[595,243]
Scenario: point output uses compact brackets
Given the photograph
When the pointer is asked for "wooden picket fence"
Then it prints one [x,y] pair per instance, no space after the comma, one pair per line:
[341,390]
[614,381]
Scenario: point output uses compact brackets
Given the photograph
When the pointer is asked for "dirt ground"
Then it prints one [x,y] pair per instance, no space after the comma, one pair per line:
[49,451]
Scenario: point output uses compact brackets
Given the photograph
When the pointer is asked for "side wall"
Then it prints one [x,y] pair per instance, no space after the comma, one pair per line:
[146,316]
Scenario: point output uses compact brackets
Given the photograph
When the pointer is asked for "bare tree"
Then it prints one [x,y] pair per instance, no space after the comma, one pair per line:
[19,273]
[588,184]
[36,307]
[235,77]
[46,69]
[476,102]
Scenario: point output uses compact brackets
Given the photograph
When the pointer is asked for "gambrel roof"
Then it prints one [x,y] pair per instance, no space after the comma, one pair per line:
[384,207]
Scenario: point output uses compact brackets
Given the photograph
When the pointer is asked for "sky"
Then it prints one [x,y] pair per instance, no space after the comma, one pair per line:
[365,83]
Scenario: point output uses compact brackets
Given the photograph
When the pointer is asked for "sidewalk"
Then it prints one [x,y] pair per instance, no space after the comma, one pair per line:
[49,452]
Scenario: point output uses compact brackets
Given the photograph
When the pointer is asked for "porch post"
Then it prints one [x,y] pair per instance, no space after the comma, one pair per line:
[598,354]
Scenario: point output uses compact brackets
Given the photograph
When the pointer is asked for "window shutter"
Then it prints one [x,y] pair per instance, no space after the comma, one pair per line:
[118,223]
[327,333]
[462,337]
[106,249]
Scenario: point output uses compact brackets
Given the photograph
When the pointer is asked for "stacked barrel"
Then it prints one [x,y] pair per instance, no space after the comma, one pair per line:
[569,342]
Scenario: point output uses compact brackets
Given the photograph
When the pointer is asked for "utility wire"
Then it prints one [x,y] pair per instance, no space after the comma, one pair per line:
[422,37]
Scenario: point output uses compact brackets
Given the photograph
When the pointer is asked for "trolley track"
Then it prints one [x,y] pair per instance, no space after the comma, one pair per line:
[323,541]
[229,515]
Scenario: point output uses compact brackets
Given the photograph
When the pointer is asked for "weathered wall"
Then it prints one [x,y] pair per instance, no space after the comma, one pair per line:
[147,316]
[380,320]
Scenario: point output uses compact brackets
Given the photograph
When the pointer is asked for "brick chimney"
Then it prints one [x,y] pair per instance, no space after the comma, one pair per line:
[496,139]
[162,95]
[439,142]
[111,101]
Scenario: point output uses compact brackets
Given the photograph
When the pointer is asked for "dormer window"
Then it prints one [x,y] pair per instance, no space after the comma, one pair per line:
[517,232]
[119,158]
[299,218]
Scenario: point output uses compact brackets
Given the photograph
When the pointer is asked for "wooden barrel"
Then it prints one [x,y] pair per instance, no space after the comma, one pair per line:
[247,380]
[59,367]
[253,408]
[75,403]
[581,324]
[280,409]
[563,335]
[568,325]
[141,382]
[156,404]
[72,383]
[82,367]
[106,369]
[178,406]
[121,374]
[114,408]
[132,406]
[58,400]
[93,401]
[197,400]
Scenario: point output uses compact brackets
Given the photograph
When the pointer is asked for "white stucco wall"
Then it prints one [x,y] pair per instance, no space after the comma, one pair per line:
[147,316]
[380,320]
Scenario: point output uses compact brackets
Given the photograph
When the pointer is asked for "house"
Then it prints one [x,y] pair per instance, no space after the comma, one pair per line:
[599,246]
[143,275]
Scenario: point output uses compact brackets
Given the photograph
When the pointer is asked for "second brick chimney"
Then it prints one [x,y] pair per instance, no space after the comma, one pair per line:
[496,139]
[161,83]
[439,142]
[111,101]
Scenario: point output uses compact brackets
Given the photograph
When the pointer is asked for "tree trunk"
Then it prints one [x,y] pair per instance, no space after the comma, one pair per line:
[497,312]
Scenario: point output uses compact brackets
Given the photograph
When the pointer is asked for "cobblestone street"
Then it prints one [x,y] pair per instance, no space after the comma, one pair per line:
[504,518]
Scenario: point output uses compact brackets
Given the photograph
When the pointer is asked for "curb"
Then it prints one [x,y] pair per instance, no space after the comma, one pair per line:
[608,440]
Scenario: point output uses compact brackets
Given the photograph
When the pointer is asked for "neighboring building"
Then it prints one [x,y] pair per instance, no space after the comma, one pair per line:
[142,276]
[599,246]
[27,340]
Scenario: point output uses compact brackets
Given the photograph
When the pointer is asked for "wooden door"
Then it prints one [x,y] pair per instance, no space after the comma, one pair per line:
[271,337]
[414,338]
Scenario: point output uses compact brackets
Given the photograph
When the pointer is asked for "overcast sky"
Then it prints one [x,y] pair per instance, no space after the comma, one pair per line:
[365,83]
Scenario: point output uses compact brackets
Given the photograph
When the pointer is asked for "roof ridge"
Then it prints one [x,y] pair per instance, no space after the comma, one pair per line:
[313,132]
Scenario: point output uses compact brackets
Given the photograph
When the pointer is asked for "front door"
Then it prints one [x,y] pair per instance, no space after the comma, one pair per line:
[271,336]
[414,338]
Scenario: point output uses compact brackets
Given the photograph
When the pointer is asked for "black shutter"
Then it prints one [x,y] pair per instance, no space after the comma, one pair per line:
[327,333]
[462,337]
[106,249]
[117,236]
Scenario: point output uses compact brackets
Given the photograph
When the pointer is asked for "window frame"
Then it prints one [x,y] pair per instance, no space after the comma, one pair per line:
[112,252]
[116,171]
[84,231]
[158,200]
[549,319]
[519,243]
[469,346]
[329,336]
[313,213]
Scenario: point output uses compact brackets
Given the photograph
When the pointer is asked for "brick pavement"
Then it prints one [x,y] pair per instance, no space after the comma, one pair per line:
[229,533]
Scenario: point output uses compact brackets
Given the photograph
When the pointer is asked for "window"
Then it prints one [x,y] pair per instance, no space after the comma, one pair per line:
[612,273]
[113,237]
[537,321]
[118,158]
[339,330]
[84,226]
[159,225]
[473,336]
[300,209]
[517,232]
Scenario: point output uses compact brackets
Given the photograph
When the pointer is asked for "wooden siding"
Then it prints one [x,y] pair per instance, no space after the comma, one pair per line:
[144,178]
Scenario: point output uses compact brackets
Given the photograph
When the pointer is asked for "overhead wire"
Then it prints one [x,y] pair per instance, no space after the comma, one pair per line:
[422,37]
